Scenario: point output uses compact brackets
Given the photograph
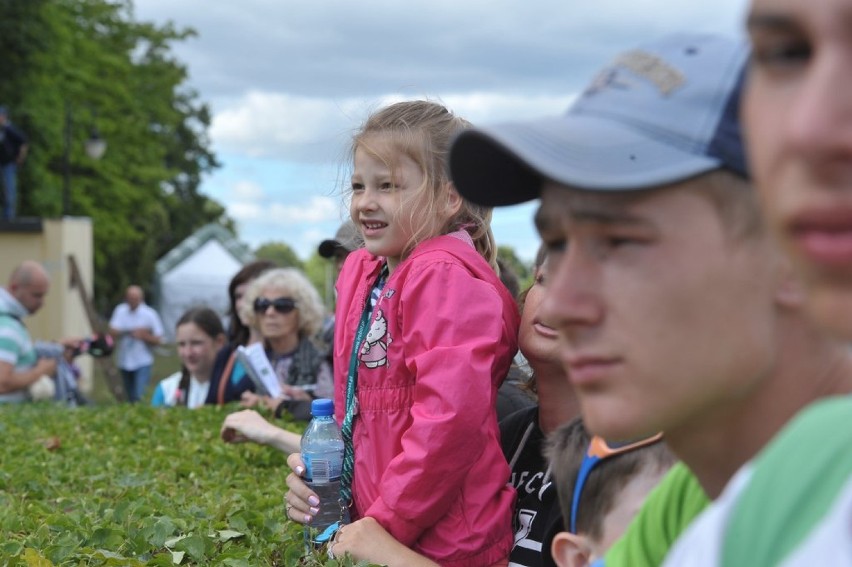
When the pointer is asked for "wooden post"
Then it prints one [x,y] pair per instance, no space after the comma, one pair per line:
[113,378]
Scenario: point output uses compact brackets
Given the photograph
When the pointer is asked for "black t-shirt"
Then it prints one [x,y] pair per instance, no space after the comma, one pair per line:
[537,517]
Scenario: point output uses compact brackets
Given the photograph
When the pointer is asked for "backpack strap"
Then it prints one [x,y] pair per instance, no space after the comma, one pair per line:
[225,378]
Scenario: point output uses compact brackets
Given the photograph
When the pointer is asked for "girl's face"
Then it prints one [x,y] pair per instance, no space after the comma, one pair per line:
[537,339]
[383,199]
[197,350]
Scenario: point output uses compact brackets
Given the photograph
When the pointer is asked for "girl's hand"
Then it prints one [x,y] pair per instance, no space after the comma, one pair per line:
[301,502]
[367,540]
[247,425]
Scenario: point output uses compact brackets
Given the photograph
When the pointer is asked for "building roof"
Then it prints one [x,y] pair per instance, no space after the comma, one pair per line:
[199,238]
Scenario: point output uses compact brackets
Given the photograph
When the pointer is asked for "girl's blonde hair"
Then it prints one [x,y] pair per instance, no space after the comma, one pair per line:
[423,131]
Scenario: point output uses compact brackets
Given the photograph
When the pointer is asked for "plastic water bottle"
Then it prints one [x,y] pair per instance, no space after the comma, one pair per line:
[322,453]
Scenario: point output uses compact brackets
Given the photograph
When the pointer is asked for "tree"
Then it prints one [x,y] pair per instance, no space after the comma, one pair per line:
[280,253]
[321,273]
[509,257]
[88,63]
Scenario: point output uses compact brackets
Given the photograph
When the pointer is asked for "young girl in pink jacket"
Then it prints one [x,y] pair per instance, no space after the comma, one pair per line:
[425,332]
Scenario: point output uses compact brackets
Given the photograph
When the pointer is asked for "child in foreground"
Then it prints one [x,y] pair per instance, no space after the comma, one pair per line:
[425,334]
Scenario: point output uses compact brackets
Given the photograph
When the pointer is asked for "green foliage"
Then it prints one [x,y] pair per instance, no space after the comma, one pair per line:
[522,270]
[280,253]
[71,65]
[135,485]
[321,273]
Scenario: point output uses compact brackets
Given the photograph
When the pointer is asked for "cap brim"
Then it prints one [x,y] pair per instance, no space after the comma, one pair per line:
[327,248]
[505,164]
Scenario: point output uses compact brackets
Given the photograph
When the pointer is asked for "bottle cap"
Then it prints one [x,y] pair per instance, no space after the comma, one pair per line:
[322,407]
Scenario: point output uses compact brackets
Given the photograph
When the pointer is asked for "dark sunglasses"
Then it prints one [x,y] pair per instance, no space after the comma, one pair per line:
[283,305]
[600,450]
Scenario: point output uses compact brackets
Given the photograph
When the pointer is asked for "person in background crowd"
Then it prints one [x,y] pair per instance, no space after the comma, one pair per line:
[138,329]
[288,311]
[13,152]
[199,336]
[347,239]
[227,370]
[19,364]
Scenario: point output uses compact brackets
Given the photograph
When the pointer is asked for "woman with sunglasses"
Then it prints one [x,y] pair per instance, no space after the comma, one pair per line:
[287,310]
[227,370]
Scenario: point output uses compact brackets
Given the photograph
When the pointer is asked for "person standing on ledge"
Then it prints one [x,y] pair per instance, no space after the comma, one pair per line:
[13,152]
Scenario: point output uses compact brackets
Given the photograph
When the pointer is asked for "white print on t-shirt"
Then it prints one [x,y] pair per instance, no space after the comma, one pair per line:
[523,482]
[524,521]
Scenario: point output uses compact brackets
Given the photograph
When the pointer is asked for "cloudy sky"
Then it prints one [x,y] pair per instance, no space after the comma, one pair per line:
[288,82]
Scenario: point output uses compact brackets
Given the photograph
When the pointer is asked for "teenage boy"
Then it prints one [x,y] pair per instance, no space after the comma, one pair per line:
[798,112]
[674,309]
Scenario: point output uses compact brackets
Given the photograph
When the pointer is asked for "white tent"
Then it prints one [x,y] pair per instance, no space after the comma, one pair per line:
[197,272]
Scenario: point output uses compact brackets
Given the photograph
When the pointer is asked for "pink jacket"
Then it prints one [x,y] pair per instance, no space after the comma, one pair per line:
[428,463]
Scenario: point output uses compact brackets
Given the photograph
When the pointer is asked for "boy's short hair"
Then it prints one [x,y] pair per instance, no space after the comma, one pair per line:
[565,450]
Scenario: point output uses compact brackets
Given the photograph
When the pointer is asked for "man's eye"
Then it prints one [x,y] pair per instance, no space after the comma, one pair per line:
[556,246]
[780,55]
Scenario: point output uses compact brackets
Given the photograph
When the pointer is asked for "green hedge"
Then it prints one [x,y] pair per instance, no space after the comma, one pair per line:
[135,485]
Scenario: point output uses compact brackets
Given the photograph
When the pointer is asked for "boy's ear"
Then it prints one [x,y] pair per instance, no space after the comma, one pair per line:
[570,550]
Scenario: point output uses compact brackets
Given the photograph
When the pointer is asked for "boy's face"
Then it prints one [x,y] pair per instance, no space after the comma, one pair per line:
[663,318]
[798,118]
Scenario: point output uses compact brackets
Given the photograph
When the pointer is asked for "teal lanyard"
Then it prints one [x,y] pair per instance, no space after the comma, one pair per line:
[351,384]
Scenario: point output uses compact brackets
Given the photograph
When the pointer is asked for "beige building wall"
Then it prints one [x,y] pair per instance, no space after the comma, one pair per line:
[63,314]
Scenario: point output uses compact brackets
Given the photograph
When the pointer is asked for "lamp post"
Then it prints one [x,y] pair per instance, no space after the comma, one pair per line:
[95,147]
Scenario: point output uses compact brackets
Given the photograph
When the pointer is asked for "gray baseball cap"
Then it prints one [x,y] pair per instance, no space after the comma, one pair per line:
[659,114]
[346,239]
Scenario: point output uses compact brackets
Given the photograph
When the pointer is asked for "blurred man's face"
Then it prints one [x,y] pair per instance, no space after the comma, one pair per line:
[134,298]
[31,295]
[798,120]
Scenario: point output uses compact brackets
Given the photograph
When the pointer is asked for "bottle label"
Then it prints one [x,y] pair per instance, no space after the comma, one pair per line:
[322,468]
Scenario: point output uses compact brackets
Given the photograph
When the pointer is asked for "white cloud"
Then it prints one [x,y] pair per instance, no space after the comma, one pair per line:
[317,209]
[248,191]
[288,82]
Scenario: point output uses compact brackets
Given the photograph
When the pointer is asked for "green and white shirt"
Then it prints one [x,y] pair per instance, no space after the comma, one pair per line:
[791,506]
[16,347]
[664,516]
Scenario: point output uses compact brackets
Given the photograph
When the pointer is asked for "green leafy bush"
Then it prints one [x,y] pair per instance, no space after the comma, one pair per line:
[135,485]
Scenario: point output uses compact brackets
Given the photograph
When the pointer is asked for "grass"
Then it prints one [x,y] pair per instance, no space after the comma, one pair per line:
[130,485]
